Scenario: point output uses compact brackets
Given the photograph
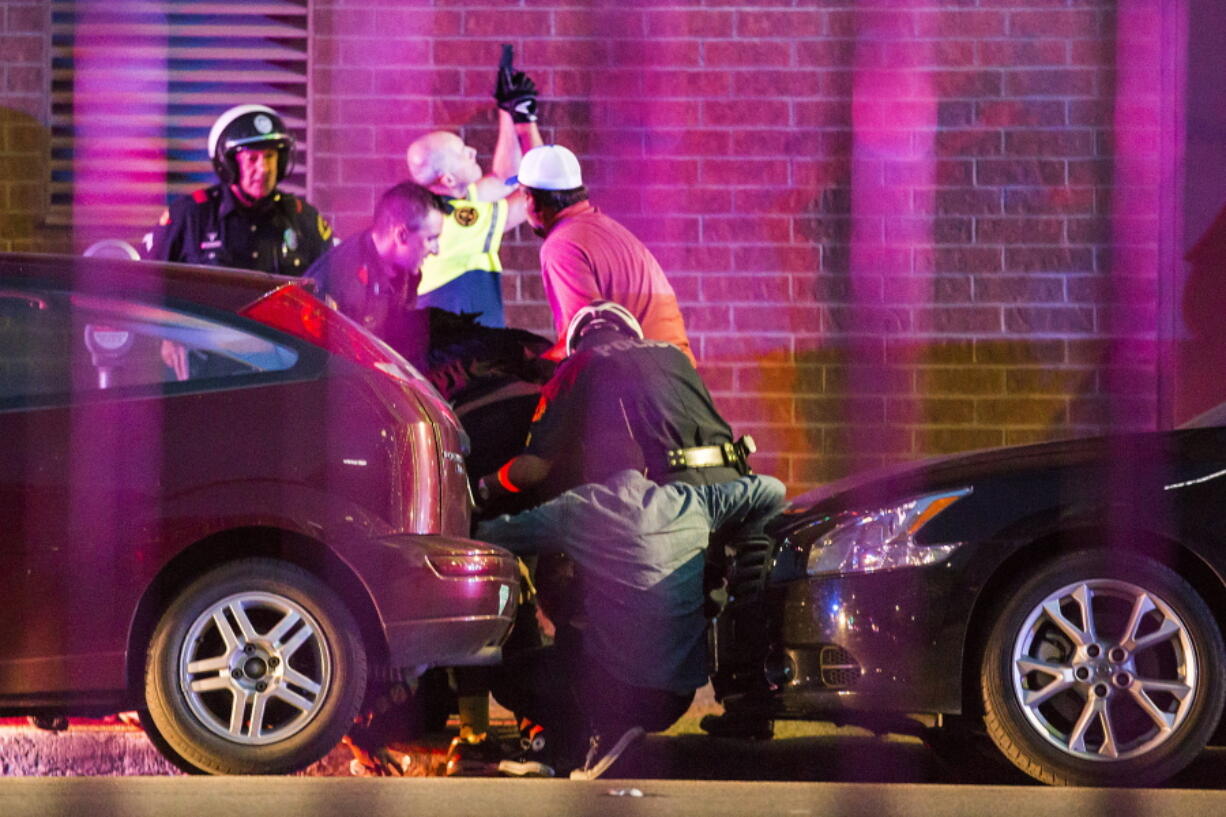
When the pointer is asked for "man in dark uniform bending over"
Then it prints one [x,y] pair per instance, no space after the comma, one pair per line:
[639,471]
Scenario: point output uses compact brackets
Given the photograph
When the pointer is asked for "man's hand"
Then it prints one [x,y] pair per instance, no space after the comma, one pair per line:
[516,94]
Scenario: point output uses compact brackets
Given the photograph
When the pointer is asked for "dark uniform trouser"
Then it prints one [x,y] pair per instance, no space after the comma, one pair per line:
[573,696]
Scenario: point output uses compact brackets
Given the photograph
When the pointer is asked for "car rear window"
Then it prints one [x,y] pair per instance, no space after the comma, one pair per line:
[54,343]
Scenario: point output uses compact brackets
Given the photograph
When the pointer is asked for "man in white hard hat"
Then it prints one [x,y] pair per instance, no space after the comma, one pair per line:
[588,256]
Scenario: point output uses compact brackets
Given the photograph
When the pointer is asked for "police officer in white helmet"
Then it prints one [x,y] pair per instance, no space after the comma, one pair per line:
[245,221]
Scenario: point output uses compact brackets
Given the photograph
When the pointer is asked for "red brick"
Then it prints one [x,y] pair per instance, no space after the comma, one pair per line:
[867,319]
[572,52]
[960,23]
[1055,23]
[666,54]
[1050,319]
[740,228]
[768,84]
[20,48]
[779,23]
[690,142]
[578,83]
[700,24]
[1049,82]
[972,84]
[1050,143]
[25,19]
[701,318]
[959,320]
[822,114]
[963,259]
[824,53]
[1028,172]
[932,441]
[412,22]
[745,287]
[1015,289]
[1015,411]
[944,411]
[748,112]
[968,201]
[664,84]
[420,83]
[697,200]
[646,172]
[379,53]
[1019,231]
[1021,113]
[719,54]
[1049,259]
[1050,381]
[596,23]
[969,143]
[654,229]
[1050,200]
[1017,53]
[864,380]
[1015,352]
[694,258]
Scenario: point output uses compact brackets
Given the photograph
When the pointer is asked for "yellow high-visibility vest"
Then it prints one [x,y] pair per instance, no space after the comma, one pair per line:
[470,240]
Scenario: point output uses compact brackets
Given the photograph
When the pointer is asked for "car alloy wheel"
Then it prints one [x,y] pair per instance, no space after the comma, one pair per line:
[1098,672]
[255,668]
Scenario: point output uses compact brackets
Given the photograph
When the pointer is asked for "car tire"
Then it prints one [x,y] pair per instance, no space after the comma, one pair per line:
[1127,695]
[255,668]
[966,754]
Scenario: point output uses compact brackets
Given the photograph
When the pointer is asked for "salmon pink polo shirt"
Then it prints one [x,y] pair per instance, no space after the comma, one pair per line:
[588,256]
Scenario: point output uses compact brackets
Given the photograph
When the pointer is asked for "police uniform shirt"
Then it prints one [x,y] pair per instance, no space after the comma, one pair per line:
[353,279]
[471,237]
[622,404]
[281,234]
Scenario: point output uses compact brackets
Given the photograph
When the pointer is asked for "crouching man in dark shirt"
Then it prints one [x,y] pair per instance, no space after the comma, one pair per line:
[642,471]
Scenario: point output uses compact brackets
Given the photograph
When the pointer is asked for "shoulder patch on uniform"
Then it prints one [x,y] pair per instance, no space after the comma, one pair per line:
[466,216]
[297,205]
[200,196]
[165,219]
[325,229]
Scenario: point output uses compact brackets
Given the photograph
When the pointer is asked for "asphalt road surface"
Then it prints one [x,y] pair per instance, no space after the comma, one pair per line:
[390,797]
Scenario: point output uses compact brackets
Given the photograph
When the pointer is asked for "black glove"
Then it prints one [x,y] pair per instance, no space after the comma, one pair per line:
[516,94]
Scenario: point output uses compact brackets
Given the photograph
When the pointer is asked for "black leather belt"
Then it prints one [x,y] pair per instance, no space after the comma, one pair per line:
[730,455]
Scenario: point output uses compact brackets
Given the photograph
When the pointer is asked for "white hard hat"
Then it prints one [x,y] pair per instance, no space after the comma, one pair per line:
[549,167]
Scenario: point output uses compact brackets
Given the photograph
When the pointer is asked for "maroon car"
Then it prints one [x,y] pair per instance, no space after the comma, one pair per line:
[227,506]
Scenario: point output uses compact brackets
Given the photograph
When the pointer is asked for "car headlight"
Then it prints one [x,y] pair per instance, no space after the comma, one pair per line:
[883,539]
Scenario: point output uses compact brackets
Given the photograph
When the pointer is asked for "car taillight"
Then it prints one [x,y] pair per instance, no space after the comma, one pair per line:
[293,310]
[466,565]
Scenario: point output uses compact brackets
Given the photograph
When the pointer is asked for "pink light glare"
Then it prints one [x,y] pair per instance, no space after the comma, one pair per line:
[893,176]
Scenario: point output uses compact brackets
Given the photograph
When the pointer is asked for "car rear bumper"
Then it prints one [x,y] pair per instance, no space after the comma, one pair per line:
[433,617]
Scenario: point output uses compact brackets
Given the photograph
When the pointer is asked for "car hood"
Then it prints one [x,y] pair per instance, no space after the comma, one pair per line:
[958,470]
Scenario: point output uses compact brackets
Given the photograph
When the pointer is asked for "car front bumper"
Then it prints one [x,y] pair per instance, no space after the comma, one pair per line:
[824,648]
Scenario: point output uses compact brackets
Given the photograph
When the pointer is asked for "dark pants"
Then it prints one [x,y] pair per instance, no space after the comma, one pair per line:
[573,697]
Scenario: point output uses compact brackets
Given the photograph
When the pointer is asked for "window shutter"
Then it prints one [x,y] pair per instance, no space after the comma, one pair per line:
[137,84]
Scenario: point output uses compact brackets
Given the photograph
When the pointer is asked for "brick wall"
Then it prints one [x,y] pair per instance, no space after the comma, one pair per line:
[895,228]
[24,115]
